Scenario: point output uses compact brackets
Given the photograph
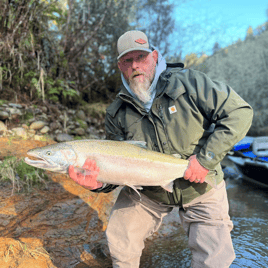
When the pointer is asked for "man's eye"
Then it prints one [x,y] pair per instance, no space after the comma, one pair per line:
[128,60]
[141,56]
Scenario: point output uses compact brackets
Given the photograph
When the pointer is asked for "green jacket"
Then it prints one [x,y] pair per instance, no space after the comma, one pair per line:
[208,118]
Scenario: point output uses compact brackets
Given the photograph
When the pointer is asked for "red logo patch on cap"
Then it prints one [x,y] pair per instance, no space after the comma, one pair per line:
[140,41]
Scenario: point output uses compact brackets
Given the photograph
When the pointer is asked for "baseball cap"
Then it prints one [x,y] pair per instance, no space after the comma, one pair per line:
[131,41]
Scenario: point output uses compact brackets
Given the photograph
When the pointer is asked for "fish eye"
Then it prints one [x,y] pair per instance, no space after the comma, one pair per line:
[48,153]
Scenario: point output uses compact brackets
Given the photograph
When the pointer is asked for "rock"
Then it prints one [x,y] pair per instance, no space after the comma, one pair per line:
[80,131]
[55,125]
[44,109]
[93,137]
[55,110]
[38,137]
[31,120]
[94,121]
[91,130]
[70,131]
[81,115]
[45,130]
[19,131]
[24,126]
[61,137]
[3,128]
[14,112]
[15,105]
[32,131]
[3,115]
[71,127]
[61,117]
[43,117]
[89,120]
[71,112]
[54,120]
[37,111]
[37,125]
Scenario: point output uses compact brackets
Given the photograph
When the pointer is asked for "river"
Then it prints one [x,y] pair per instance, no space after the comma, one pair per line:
[249,213]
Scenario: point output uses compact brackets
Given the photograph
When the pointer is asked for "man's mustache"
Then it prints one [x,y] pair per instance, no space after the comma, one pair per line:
[136,73]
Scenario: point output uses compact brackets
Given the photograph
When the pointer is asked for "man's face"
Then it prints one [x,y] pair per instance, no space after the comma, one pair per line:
[138,68]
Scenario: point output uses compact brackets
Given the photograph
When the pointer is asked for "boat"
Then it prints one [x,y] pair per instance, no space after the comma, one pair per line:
[250,155]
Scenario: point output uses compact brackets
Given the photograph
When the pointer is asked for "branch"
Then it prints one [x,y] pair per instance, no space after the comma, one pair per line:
[75,55]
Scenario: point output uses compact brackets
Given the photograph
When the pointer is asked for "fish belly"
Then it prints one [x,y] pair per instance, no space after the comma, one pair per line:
[121,171]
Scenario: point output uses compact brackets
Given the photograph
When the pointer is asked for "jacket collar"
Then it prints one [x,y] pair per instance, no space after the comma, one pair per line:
[170,84]
[124,95]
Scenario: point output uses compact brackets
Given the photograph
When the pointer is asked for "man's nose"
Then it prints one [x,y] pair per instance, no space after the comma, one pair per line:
[135,64]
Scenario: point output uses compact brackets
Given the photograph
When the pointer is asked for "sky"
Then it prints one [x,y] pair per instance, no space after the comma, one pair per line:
[201,23]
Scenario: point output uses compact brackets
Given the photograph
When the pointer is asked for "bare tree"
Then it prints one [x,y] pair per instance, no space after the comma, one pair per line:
[89,43]
[155,18]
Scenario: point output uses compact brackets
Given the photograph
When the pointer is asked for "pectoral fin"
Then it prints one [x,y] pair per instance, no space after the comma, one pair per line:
[168,187]
[135,188]
[141,144]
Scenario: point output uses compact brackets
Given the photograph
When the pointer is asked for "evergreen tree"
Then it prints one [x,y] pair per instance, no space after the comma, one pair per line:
[216,47]
[249,33]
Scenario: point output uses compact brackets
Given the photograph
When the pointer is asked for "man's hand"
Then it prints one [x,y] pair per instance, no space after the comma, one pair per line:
[87,177]
[195,172]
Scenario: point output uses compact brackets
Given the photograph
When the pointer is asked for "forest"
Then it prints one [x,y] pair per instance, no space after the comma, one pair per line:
[65,51]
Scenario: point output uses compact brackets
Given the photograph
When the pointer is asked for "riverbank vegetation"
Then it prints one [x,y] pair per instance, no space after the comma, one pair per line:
[24,178]
[65,51]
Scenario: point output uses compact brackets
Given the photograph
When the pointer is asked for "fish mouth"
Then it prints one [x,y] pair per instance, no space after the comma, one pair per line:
[39,162]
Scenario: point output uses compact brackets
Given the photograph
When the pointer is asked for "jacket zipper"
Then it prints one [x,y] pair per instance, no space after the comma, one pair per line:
[161,115]
[150,117]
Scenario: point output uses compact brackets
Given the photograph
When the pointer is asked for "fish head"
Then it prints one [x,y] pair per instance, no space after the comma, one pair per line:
[56,157]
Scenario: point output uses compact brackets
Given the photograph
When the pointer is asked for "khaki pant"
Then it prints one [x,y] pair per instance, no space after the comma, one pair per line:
[205,221]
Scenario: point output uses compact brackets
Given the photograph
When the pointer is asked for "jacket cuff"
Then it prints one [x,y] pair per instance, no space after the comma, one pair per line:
[207,161]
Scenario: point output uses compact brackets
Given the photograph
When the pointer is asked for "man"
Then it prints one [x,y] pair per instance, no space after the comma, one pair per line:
[176,111]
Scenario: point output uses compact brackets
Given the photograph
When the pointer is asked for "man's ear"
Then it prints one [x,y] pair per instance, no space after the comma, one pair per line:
[155,55]
[119,66]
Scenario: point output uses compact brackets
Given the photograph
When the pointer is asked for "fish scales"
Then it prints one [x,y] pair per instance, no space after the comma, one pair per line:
[124,163]
[120,162]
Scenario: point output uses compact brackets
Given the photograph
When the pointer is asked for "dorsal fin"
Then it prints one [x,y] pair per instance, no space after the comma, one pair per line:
[141,144]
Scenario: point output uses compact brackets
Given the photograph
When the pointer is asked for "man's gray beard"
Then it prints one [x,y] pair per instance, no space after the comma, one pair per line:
[141,90]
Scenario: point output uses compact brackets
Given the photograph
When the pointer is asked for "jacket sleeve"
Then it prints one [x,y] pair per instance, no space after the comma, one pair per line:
[112,133]
[231,115]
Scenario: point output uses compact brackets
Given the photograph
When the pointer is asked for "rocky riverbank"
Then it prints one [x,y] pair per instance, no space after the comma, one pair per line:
[54,121]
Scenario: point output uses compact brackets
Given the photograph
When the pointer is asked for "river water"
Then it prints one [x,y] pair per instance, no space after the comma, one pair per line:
[249,213]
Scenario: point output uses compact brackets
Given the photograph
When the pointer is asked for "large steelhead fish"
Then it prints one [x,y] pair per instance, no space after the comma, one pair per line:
[120,162]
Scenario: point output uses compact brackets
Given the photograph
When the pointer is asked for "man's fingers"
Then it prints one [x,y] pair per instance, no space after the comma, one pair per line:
[72,173]
[89,164]
[87,175]
[187,174]
[192,178]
